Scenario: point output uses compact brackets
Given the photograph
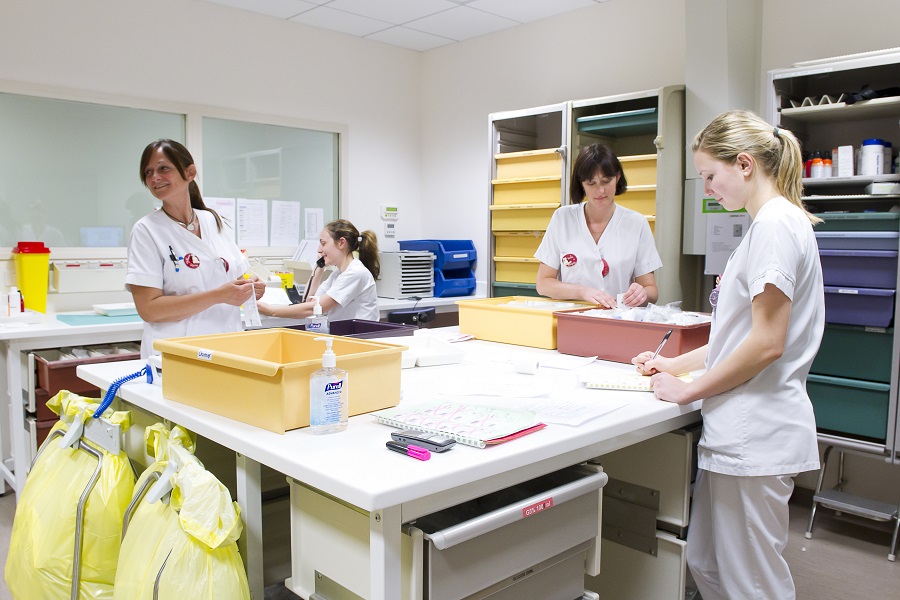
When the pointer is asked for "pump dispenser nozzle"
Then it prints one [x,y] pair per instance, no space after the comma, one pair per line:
[317,308]
[329,358]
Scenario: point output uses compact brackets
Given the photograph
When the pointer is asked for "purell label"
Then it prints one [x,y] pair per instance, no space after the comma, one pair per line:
[313,326]
[334,386]
[204,354]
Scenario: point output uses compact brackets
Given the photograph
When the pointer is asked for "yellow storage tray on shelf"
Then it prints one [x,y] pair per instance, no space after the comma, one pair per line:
[534,190]
[515,270]
[641,198]
[639,169]
[530,163]
[262,377]
[530,321]
[521,217]
[521,244]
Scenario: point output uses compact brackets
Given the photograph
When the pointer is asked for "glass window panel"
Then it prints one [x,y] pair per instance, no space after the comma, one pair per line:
[271,162]
[69,170]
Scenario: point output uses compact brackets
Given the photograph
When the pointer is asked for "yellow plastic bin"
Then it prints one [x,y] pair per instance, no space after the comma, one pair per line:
[32,261]
[261,377]
[521,320]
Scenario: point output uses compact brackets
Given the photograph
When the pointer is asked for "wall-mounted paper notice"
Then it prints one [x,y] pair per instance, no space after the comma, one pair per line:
[315,223]
[724,232]
[252,222]
[285,223]
[225,207]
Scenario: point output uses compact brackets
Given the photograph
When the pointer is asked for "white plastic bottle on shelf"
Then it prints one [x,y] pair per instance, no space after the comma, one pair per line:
[328,394]
[317,322]
[871,160]
[14,302]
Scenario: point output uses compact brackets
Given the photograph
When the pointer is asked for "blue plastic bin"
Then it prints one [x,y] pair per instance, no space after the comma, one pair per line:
[858,240]
[458,282]
[859,306]
[449,254]
[860,268]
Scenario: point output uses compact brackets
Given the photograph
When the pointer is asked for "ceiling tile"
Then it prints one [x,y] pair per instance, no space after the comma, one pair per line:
[529,10]
[392,11]
[461,23]
[283,9]
[338,20]
[408,38]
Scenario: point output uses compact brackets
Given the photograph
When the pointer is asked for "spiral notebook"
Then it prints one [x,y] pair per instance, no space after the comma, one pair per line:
[470,424]
[632,382]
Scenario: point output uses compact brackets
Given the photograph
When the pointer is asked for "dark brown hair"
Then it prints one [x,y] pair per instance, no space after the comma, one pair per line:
[591,160]
[366,243]
[182,159]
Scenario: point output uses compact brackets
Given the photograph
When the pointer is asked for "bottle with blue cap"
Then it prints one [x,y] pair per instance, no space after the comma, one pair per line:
[328,394]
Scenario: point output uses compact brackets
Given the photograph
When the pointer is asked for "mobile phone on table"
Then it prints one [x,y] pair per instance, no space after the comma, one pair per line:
[430,441]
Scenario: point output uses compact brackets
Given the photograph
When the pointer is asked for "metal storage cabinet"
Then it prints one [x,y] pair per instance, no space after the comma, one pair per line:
[532,153]
[856,408]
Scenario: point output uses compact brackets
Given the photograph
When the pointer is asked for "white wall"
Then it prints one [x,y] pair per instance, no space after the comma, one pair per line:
[611,48]
[196,52]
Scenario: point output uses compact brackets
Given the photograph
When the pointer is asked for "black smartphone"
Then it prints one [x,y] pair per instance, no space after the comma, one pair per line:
[430,441]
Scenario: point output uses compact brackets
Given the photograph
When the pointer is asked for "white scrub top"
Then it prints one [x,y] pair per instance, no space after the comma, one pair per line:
[159,246]
[766,426]
[354,291]
[626,244]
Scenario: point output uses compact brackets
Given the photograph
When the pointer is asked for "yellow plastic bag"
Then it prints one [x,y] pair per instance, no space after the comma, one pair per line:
[42,544]
[187,547]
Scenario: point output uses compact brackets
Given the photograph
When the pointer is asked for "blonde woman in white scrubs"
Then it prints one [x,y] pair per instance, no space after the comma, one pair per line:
[349,292]
[594,249]
[759,430]
[184,272]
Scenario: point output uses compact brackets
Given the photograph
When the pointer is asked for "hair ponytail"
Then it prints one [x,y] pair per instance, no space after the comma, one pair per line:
[775,150]
[365,243]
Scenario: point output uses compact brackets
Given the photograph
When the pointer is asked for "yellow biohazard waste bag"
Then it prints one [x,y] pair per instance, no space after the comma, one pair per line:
[186,547]
[42,544]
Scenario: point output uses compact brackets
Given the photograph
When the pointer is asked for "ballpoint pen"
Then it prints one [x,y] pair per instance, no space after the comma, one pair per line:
[408,449]
[662,343]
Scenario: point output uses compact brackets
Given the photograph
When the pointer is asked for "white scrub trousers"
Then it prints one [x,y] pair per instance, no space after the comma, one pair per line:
[737,533]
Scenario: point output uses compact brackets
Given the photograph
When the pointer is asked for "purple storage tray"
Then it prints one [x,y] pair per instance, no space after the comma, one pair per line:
[860,268]
[365,330]
[859,306]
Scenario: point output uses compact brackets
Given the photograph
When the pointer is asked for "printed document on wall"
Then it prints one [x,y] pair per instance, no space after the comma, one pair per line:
[724,231]
[285,223]
[315,223]
[252,222]
[225,207]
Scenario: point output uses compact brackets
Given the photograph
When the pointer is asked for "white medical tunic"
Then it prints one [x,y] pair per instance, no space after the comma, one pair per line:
[354,291]
[165,256]
[626,244]
[766,425]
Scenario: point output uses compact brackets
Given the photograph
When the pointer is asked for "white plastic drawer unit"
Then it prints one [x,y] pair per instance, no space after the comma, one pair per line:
[527,541]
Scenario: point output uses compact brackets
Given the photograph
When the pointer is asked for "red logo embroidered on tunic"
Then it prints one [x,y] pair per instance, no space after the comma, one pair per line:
[569,260]
[191,261]
[605,270]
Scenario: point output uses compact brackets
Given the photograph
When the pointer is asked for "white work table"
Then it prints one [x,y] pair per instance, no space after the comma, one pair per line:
[17,338]
[355,466]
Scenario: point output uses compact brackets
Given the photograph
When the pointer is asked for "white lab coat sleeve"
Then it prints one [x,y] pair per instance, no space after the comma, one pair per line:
[548,251]
[648,259]
[774,256]
[145,259]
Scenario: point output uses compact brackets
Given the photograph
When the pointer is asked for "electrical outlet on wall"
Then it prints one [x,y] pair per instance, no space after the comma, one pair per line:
[390,230]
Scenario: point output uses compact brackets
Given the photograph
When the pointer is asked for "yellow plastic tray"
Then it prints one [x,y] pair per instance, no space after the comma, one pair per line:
[262,377]
[487,319]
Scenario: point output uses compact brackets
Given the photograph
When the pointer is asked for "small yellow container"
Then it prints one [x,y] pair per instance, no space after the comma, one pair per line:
[262,377]
[32,260]
[515,270]
[521,244]
[531,324]
[287,278]
[523,217]
[531,163]
[538,190]
[639,198]
[639,169]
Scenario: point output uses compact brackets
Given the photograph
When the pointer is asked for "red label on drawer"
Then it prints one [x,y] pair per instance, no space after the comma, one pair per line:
[537,507]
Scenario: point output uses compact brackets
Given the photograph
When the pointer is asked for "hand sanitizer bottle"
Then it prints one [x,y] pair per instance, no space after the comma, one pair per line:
[317,323]
[328,394]
[14,303]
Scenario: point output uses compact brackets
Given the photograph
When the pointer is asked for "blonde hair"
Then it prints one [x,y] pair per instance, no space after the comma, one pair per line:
[775,150]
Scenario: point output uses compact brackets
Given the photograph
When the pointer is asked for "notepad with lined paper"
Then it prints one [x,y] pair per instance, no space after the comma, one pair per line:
[614,380]
[470,424]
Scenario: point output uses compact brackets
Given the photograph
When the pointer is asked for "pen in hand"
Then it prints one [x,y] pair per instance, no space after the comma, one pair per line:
[662,343]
